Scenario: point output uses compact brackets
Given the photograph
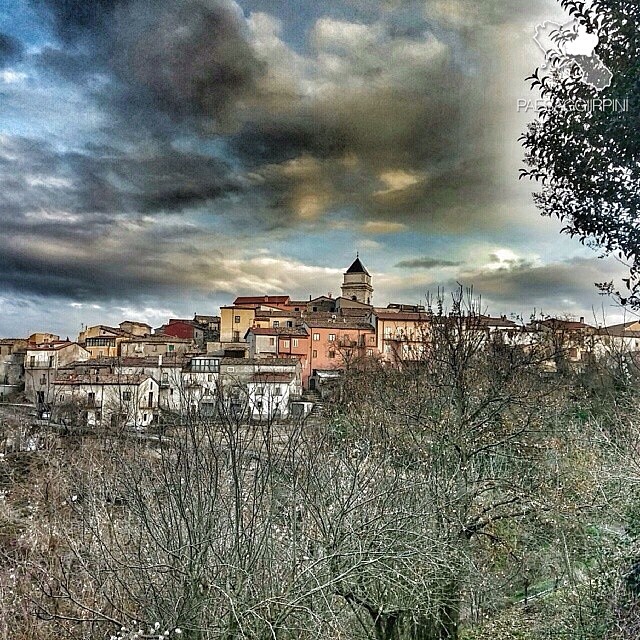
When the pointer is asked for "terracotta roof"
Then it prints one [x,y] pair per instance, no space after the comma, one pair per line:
[620,330]
[168,360]
[115,330]
[566,325]
[277,314]
[338,323]
[260,362]
[92,362]
[109,379]
[240,300]
[267,377]
[51,346]
[402,315]
[158,337]
[488,321]
[354,312]
[277,331]
[188,321]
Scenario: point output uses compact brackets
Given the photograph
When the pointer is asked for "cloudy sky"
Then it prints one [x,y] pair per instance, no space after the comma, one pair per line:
[160,157]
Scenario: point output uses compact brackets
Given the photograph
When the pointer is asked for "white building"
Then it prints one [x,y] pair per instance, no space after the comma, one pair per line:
[114,400]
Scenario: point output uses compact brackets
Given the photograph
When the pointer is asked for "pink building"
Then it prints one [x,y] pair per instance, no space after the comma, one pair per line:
[339,343]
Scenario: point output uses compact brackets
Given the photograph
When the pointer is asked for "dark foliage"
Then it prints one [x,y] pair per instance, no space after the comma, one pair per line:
[587,161]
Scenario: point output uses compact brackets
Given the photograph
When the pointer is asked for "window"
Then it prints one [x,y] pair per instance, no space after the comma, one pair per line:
[314,354]
[205,365]
[315,308]
[150,399]
[332,354]
[51,361]
[295,342]
[237,319]
[91,398]
[170,347]
[101,342]
[286,344]
[165,377]
[369,352]
[272,342]
[289,324]
[43,379]
[126,396]
[316,337]
[32,361]
[332,337]
[276,324]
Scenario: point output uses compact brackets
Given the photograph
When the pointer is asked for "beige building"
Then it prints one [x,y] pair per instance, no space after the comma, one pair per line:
[103,341]
[41,366]
[12,352]
[154,346]
[401,335]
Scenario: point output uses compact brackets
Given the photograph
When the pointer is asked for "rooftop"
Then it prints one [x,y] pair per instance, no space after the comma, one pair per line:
[338,323]
[278,331]
[242,300]
[267,377]
[51,346]
[158,337]
[402,315]
[261,362]
[109,379]
[357,267]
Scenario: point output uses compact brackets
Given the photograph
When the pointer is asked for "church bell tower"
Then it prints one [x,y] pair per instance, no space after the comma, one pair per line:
[357,283]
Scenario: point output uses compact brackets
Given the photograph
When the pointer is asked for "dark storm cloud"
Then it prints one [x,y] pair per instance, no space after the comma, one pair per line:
[426,263]
[181,59]
[37,177]
[381,89]
[10,49]
[373,113]
[551,284]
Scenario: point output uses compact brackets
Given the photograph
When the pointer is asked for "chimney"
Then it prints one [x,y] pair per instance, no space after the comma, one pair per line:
[582,319]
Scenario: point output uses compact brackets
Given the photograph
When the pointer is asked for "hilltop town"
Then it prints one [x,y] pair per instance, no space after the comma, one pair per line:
[273,356]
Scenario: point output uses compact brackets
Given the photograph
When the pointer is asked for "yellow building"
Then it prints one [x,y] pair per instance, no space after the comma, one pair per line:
[235,321]
[102,341]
